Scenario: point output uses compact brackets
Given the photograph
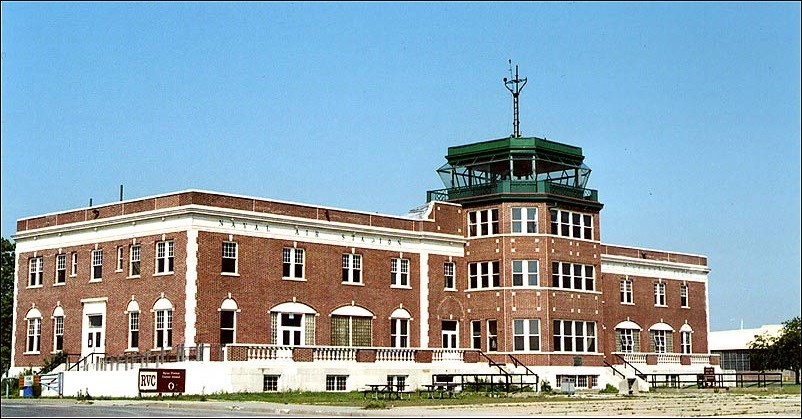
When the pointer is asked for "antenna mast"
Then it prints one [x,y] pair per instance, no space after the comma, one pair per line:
[519,85]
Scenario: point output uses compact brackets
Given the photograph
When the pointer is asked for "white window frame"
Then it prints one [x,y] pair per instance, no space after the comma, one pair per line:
[281,328]
[627,337]
[450,338]
[229,251]
[476,334]
[580,334]
[232,328]
[480,273]
[523,220]
[492,336]
[566,275]
[659,339]
[97,265]
[74,264]
[685,342]
[58,331]
[399,273]
[683,296]
[134,319]
[399,333]
[483,222]
[163,321]
[35,271]
[560,226]
[165,254]
[352,268]
[660,294]
[61,269]
[120,259]
[625,288]
[292,259]
[523,333]
[34,337]
[135,259]
[527,272]
[449,276]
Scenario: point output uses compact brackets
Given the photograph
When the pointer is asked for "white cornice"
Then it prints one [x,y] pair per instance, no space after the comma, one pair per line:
[239,222]
[624,265]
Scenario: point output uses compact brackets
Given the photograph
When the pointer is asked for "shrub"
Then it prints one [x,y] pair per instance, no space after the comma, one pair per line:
[545,387]
[609,388]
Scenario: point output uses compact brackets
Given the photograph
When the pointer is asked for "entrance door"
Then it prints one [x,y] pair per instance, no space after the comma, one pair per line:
[94,330]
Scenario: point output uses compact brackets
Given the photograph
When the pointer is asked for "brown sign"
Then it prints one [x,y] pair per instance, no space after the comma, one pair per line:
[155,380]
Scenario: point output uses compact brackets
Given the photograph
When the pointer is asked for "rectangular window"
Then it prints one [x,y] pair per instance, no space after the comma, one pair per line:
[336,382]
[574,336]
[35,270]
[399,333]
[625,287]
[572,276]
[133,269]
[352,268]
[229,263]
[74,264]
[58,333]
[399,272]
[133,330]
[448,276]
[476,334]
[627,340]
[685,342]
[483,223]
[525,273]
[658,341]
[120,259]
[293,263]
[524,221]
[492,335]
[34,334]
[226,326]
[571,224]
[270,383]
[449,333]
[97,265]
[61,269]
[350,331]
[164,257]
[683,296]
[660,294]
[164,329]
[483,275]
[526,334]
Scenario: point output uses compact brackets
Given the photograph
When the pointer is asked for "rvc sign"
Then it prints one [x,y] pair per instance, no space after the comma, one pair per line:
[155,380]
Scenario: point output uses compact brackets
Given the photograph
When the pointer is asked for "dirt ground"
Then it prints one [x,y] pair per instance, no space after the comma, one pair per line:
[696,404]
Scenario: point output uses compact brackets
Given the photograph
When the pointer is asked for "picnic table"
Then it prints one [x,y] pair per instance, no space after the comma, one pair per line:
[439,390]
[384,391]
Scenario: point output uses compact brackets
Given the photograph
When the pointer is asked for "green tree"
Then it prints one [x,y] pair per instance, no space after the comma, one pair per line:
[6,304]
[781,352]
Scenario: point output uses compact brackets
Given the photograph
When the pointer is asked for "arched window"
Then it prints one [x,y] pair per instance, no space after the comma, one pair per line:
[399,328]
[662,338]
[163,310]
[34,320]
[627,337]
[58,329]
[292,324]
[351,326]
[685,334]
[228,321]
[133,325]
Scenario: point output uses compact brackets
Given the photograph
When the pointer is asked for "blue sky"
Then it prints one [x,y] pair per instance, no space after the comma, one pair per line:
[687,113]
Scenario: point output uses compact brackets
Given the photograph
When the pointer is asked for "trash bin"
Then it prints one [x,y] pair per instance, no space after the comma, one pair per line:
[27,391]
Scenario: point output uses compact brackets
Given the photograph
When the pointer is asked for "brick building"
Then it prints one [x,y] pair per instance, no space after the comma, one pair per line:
[505,265]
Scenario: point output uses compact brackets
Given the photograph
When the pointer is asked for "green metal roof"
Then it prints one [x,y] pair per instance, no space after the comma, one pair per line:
[514,145]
